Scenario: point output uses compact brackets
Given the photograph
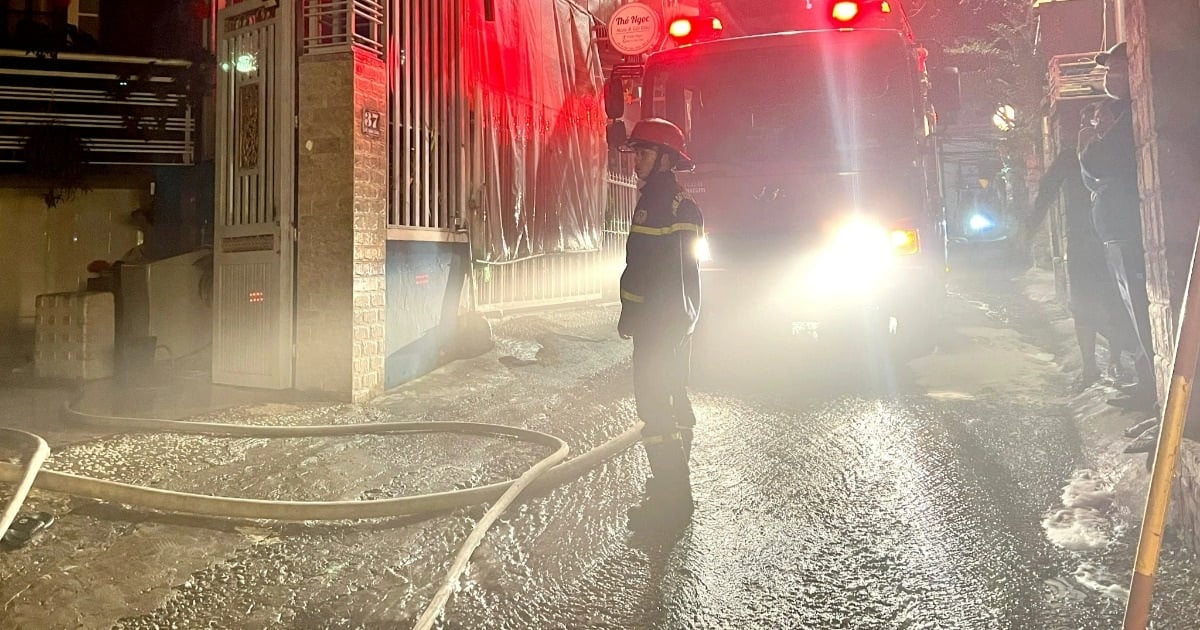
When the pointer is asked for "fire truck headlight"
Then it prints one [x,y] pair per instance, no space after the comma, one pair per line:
[860,241]
[870,243]
[703,250]
[858,259]
[831,275]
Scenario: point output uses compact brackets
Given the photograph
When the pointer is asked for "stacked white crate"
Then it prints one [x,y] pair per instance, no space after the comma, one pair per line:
[75,335]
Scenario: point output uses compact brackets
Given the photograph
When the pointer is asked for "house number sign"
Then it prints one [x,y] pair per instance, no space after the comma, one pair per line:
[371,122]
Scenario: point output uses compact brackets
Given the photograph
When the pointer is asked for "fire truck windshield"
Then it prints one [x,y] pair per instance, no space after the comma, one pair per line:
[812,100]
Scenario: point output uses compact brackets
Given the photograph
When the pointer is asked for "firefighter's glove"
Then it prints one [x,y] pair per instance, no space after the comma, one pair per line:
[623,327]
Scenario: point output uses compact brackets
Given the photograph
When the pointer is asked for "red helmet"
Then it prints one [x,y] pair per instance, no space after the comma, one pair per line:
[660,133]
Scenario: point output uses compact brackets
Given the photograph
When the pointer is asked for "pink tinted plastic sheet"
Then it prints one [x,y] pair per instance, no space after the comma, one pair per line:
[536,79]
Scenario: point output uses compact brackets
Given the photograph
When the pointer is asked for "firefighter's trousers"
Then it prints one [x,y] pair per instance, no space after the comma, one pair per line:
[661,366]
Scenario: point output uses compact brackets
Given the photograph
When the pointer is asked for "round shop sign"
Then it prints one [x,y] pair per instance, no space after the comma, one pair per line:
[634,28]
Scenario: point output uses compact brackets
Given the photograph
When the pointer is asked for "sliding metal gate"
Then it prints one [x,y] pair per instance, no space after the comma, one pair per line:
[255,209]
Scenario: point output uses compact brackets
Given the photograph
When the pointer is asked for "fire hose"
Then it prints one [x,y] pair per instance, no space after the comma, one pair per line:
[551,471]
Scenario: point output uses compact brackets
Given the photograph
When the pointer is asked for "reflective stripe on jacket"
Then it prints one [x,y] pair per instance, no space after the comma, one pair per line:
[660,288]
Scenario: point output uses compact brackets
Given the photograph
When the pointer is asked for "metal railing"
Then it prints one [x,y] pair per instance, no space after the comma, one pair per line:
[546,280]
[564,278]
[622,198]
[336,25]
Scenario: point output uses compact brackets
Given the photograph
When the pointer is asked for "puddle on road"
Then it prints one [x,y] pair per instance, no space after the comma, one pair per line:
[945,395]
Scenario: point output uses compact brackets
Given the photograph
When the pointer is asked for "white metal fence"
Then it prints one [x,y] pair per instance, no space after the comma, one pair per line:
[545,280]
[568,277]
[622,198]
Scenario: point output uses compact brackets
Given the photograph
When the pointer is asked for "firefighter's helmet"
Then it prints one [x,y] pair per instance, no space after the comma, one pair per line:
[663,134]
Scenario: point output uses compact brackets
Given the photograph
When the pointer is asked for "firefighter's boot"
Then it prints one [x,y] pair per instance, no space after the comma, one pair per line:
[685,433]
[667,506]
[685,424]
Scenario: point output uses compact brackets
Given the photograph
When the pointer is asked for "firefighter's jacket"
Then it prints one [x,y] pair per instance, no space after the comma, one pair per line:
[660,288]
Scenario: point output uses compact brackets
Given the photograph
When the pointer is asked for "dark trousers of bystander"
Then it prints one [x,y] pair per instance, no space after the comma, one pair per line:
[1127,262]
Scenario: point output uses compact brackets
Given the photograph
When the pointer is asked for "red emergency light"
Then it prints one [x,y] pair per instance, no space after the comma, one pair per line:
[680,29]
[689,30]
[845,11]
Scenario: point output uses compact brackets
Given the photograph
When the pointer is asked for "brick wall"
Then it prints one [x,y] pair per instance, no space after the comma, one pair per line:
[342,208]
[1164,48]
[370,226]
[1164,73]
[325,220]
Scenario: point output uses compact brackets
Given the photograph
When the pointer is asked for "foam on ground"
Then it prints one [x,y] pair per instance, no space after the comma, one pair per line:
[1098,579]
[1082,523]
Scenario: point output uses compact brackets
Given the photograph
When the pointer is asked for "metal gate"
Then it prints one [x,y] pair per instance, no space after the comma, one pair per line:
[429,145]
[255,209]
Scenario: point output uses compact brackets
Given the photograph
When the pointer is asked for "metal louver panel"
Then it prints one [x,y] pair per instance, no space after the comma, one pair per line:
[126,110]
[248,305]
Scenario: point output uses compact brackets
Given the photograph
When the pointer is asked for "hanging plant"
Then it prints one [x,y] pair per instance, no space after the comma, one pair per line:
[200,77]
[120,89]
[59,154]
[207,275]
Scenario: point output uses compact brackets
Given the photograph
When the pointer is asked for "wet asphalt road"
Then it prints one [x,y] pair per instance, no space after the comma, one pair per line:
[831,494]
[835,494]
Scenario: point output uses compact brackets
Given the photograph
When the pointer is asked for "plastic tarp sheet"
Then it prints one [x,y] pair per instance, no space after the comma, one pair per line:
[536,80]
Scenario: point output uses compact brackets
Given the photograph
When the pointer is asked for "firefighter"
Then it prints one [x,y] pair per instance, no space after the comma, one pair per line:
[660,302]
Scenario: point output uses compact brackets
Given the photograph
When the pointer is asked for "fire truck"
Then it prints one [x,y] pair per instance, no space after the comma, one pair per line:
[816,167]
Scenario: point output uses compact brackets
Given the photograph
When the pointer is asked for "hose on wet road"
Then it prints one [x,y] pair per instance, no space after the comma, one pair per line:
[551,471]
[38,452]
